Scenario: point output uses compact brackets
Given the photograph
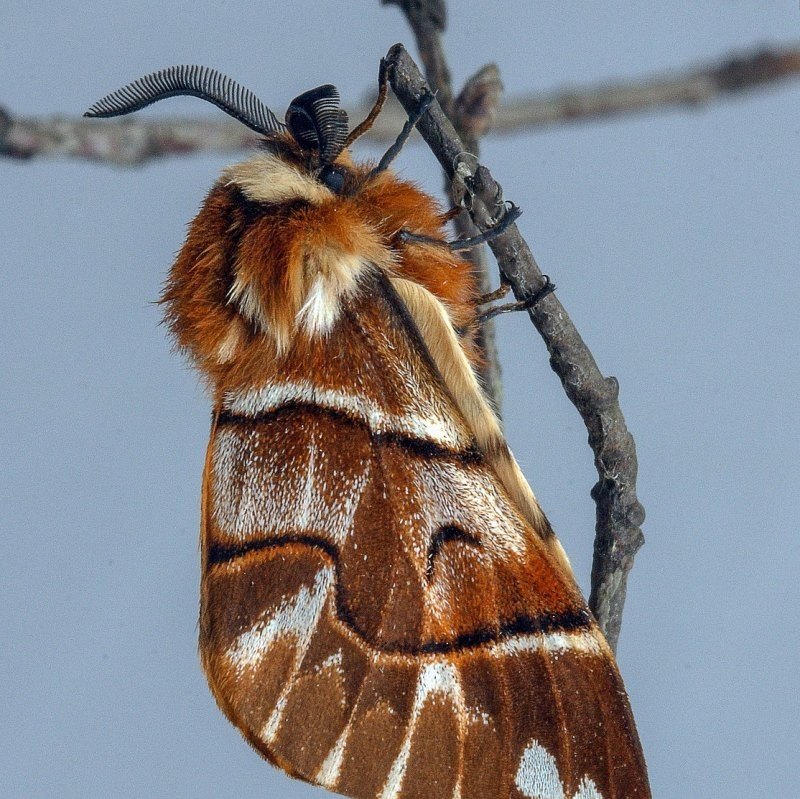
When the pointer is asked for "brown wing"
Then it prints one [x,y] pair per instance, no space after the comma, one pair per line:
[378,617]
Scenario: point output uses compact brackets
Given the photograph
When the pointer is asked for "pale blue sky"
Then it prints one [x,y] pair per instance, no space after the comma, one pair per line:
[673,238]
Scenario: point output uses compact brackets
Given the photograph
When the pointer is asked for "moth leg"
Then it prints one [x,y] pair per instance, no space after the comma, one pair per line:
[521,305]
[424,104]
[407,237]
[497,294]
[383,87]
[450,215]
[511,215]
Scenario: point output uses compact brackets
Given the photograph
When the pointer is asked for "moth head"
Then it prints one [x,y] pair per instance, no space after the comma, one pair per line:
[314,120]
[285,275]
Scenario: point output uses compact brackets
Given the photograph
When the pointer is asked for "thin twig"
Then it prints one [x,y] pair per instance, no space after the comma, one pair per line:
[134,141]
[619,514]
[472,112]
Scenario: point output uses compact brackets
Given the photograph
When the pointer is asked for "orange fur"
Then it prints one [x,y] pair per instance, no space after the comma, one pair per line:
[237,287]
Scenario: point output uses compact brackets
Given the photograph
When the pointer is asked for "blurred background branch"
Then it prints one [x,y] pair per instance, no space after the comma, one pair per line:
[134,141]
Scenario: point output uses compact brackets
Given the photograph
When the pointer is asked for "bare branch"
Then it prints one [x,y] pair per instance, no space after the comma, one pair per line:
[472,113]
[619,514]
[477,106]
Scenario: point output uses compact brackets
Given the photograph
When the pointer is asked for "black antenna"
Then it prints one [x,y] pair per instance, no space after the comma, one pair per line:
[202,82]
[316,122]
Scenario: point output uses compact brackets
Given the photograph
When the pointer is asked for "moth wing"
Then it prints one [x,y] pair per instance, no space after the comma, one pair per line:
[378,615]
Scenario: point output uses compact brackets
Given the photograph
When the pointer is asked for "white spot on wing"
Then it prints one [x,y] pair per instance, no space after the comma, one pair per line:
[581,641]
[308,619]
[270,729]
[538,778]
[257,495]
[310,496]
[587,790]
[471,500]
[296,618]
[328,774]
[439,677]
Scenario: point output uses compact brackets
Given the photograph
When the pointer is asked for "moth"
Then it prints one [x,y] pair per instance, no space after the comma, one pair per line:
[385,609]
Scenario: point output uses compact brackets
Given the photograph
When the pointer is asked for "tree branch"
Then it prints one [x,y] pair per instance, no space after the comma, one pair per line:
[619,514]
[133,141]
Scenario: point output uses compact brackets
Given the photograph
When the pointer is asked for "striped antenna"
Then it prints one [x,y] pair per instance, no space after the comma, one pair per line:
[316,121]
[202,82]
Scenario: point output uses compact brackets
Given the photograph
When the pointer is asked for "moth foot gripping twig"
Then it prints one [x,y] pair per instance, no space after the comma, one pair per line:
[459,245]
[521,305]
[512,214]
